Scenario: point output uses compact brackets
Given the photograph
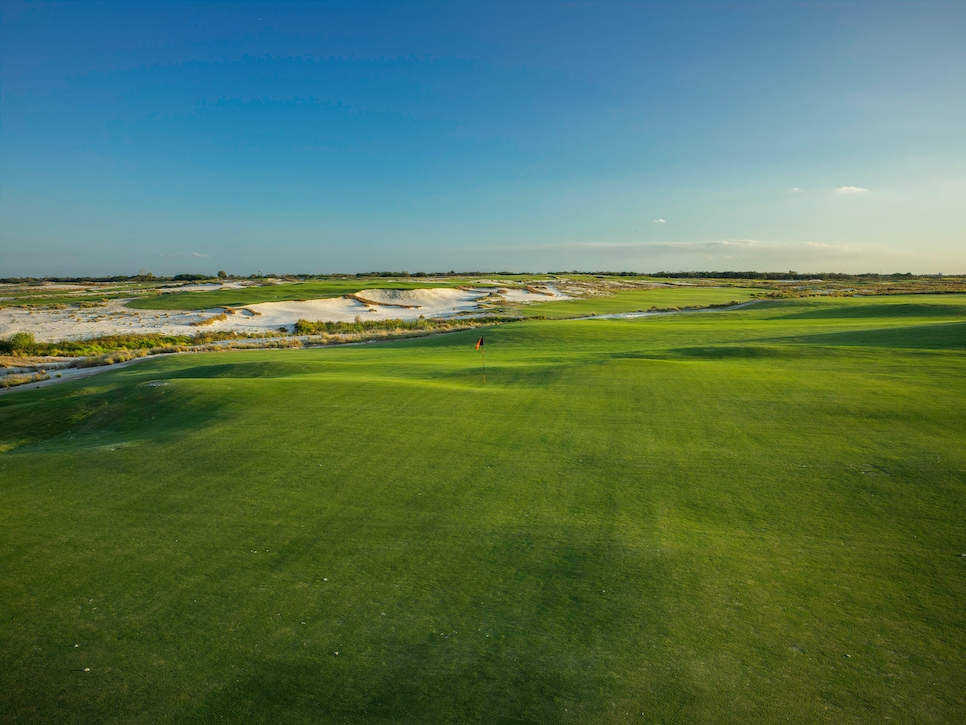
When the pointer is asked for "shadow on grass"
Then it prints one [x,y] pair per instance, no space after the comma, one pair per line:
[942,336]
[542,643]
[261,369]
[782,350]
[842,312]
[99,416]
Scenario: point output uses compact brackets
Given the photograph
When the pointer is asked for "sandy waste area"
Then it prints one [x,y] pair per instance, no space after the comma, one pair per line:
[74,323]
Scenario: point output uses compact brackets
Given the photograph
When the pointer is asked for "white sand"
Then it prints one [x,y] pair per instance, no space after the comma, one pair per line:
[114,318]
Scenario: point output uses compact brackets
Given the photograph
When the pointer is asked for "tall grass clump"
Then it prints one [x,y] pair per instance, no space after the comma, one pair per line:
[210,320]
[12,381]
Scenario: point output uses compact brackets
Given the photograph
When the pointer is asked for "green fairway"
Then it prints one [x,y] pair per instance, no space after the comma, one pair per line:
[640,300]
[743,516]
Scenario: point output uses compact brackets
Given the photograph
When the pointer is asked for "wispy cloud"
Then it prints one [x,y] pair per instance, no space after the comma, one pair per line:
[183,254]
[851,190]
[838,249]
[720,254]
[702,247]
[755,251]
[795,189]
[660,221]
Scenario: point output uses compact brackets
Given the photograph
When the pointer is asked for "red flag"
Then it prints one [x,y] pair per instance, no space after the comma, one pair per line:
[479,343]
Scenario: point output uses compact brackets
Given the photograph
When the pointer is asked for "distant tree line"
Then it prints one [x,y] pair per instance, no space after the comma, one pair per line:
[791,275]
[118,278]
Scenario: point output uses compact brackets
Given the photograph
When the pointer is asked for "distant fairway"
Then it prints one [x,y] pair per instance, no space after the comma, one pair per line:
[745,516]
[623,301]
[314,290]
[641,300]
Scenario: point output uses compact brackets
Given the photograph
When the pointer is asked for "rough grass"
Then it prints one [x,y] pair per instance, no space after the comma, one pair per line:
[421,324]
[14,380]
[210,320]
[19,361]
[145,341]
[697,519]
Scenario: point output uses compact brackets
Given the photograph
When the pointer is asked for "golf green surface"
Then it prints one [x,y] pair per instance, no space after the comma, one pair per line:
[744,516]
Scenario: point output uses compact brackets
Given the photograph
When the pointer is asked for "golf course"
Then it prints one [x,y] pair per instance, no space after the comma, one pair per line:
[734,515]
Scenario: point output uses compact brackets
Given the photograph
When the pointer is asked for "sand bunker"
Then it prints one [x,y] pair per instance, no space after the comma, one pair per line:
[73,323]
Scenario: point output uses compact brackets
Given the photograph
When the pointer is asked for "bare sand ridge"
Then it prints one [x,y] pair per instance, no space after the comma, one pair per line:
[72,323]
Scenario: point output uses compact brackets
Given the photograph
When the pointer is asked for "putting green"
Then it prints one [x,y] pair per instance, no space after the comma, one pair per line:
[754,515]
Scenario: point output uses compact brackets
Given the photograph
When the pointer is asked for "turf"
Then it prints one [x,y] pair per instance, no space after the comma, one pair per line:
[745,516]
[639,301]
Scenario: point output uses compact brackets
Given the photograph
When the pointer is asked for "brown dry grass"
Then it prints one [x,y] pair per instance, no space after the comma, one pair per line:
[12,381]
[111,358]
[540,291]
[17,361]
[210,320]
[363,300]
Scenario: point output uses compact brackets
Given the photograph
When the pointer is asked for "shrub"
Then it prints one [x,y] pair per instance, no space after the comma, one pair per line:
[22,343]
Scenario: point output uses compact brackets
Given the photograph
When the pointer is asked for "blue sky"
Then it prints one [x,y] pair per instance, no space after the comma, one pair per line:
[326,136]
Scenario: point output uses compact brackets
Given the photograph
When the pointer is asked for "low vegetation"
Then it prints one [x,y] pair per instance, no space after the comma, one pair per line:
[422,324]
[24,344]
[210,320]
[12,381]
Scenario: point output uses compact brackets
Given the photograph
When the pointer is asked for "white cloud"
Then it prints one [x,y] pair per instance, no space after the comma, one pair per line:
[660,221]
[738,243]
[795,189]
[851,190]
[184,254]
